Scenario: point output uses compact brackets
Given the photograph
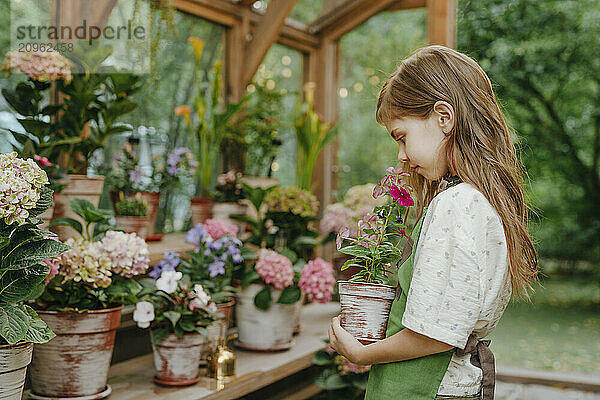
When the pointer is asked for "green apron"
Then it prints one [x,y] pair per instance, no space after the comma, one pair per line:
[416,379]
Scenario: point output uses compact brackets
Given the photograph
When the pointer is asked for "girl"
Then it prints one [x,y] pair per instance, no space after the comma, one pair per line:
[473,248]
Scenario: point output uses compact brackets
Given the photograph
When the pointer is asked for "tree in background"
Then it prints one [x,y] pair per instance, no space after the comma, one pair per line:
[544,59]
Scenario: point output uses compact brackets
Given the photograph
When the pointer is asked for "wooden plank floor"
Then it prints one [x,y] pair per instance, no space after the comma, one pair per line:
[132,379]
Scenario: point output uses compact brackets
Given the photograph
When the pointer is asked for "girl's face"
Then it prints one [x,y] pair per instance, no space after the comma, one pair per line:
[421,144]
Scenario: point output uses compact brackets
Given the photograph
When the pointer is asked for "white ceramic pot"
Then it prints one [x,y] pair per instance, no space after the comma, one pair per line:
[264,330]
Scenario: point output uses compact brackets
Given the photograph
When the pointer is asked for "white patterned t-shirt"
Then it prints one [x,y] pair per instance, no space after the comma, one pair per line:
[460,283]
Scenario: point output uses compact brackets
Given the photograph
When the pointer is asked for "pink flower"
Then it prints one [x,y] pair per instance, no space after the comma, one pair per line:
[54,264]
[401,195]
[217,228]
[344,233]
[317,280]
[42,160]
[275,269]
[378,191]
[393,170]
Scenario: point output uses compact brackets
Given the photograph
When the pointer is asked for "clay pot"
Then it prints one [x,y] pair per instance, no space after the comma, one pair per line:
[137,225]
[14,360]
[264,330]
[153,201]
[365,309]
[176,360]
[75,363]
[201,209]
[80,187]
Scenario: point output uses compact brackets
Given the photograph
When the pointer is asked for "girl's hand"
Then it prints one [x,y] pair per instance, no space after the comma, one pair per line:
[344,343]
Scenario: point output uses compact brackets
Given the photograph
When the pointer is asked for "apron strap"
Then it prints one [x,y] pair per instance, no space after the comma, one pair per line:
[483,358]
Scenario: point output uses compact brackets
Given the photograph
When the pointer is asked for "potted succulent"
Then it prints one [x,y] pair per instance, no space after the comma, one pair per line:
[207,128]
[374,248]
[131,216]
[25,258]
[82,304]
[227,196]
[177,313]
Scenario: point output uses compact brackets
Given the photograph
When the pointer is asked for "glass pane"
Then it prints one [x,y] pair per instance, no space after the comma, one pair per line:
[369,54]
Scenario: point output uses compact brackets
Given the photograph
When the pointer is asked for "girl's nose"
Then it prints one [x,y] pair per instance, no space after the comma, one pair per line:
[402,155]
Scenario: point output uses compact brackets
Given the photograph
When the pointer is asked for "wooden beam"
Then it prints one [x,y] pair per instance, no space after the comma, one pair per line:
[407,5]
[265,34]
[294,34]
[441,22]
[347,16]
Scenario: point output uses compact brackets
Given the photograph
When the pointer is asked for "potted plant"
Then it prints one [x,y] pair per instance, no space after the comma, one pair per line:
[312,135]
[82,305]
[207,128]
[229,191]
[340,378]
[177,313]
[131,216]
[25,254]
[374,248]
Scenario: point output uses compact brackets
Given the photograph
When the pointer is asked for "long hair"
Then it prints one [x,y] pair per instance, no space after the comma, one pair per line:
[480,149]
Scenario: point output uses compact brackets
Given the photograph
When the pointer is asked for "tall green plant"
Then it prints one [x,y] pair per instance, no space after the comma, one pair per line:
[210,124]
[312,135]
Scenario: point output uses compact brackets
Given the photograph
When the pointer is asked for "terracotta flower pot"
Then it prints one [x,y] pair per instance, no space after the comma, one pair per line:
[75,363]
[151,199]
[264,330]
[14,360]
[176,360]
[80,187]
[201,209]
[138,225]
[365,309]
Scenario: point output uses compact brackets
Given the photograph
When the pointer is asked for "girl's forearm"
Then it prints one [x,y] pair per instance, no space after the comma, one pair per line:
[404,345]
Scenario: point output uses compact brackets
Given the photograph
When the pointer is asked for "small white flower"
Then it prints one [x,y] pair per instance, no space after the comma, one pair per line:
[201,294]
[212,307]
[168,281]
[143,314]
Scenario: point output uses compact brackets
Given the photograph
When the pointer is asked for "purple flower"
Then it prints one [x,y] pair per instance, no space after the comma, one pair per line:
[135,176]
[217,245]
[172,170]
[196,235]
[237,258]
[216,268]
[172,258]
[159,268]
[207,252]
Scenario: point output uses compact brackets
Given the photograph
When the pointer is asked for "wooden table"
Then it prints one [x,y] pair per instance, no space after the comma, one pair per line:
[132,379]
[170,242]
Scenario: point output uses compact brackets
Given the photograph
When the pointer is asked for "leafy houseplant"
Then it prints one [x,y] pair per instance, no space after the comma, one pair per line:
[208,125]
[25,253]
[178,313]
[131,208]
[373,249]
[92,282]
[312,135]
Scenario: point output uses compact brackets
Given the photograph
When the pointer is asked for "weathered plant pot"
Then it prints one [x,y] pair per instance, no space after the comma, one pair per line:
[138,225]
[177,360]
[75,363]
[80,187]
[298,313]
[263,330]
[14,360]
[201,209]
[365,309]
[153,201]
[225,210]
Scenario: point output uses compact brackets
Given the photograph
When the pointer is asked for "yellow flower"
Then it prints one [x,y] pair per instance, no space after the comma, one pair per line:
[198,47]
[186,112]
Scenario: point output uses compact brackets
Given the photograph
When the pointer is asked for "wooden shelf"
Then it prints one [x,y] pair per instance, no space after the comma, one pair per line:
[132,379]
[170,242]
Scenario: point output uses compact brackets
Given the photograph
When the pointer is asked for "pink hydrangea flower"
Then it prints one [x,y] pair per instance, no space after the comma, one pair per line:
[128,253]
[39,65]
[217,228]
[275,269]
[317,280]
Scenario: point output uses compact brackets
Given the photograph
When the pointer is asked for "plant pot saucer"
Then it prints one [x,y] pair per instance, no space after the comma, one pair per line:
[154,237]
[278,347]
[177,383]
[101,395]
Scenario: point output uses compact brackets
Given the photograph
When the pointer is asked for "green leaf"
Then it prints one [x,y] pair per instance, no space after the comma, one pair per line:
[355,250]
[187,325]
[335,382]
[289,295]
[289,253]
[79,206]
[172,316]
[159,334]
[44,202]
[322,357]
[66,221]
[263,299]
[13,323]
[38,331]
[250,277]
[33,253]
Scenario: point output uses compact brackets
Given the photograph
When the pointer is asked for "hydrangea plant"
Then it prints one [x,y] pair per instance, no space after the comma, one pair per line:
[376,245]
[40,66]
[26,251]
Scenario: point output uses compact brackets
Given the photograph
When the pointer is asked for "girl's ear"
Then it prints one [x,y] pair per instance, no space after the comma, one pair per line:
[444,116]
